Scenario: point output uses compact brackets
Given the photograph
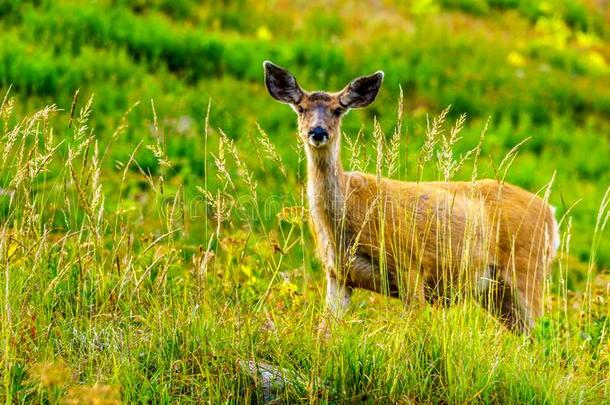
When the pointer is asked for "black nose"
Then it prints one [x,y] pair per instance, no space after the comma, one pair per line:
[318,134]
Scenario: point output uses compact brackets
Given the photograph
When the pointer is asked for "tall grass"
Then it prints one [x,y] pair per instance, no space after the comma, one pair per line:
[96,307]
[541,72]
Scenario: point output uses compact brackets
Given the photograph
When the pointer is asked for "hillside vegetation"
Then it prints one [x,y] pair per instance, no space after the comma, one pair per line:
[153,227]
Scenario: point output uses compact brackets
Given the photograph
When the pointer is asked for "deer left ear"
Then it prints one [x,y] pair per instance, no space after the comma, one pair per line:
[361,91]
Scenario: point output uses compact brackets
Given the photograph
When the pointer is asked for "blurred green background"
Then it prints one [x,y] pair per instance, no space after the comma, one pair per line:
[537,69]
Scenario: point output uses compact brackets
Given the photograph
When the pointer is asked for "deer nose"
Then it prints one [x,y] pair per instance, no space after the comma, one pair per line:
[318,134]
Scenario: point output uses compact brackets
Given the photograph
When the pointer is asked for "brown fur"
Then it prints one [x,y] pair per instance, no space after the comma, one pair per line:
[435,241]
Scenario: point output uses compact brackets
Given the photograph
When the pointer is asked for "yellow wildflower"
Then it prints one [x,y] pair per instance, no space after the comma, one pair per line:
[596,61]
[263,33]
[516,59]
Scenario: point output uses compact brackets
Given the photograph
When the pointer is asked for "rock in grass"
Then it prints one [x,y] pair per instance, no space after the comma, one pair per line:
[273,378]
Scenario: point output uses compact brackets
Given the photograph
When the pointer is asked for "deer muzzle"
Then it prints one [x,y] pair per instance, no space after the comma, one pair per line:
[318,136]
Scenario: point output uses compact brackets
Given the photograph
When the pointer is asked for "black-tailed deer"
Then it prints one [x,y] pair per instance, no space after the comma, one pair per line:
[416,240]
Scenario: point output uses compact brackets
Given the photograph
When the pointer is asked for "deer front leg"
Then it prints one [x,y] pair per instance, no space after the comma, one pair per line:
[338,296]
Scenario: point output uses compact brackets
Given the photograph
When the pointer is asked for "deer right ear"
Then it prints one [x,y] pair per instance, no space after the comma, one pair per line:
[281,84]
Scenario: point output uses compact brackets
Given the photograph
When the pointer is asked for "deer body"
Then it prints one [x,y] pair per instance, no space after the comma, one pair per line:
[419,241]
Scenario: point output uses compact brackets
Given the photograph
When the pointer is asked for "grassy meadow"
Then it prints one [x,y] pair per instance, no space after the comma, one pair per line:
[154,239]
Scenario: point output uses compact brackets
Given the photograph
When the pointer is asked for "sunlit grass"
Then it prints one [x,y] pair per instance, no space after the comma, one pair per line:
[96,309]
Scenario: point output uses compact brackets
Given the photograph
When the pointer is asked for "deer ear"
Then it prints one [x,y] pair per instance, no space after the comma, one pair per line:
[281,84]
[362,91]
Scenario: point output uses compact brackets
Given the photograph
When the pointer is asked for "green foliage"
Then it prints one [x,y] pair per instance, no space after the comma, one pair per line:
[474,7]
[137,284]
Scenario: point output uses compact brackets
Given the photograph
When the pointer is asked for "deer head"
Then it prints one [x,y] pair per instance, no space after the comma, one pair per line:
[320,113]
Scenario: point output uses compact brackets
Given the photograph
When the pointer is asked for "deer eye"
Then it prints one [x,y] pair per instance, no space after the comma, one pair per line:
[300,109]
[337,112]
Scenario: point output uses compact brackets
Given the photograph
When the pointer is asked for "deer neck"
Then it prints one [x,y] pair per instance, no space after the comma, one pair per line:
[324,178]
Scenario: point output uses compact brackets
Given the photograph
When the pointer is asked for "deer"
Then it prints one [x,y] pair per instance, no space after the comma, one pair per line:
[424,242]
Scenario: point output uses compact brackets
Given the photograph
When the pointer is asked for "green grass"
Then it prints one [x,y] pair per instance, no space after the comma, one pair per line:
[91,299]
[147,256]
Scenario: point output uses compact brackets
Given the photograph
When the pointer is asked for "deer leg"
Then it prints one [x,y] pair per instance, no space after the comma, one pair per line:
[508,303]
[528,302]
[413,289]
[407,285]
[364,273]
[338,296]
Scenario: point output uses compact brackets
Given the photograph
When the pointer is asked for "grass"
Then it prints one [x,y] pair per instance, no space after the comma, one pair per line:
[153,228]
[95,308]
[539,73]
